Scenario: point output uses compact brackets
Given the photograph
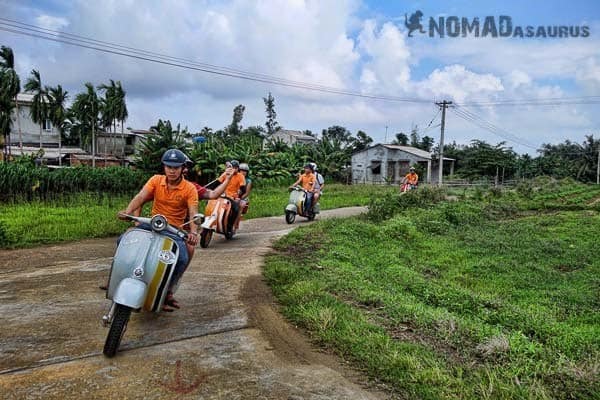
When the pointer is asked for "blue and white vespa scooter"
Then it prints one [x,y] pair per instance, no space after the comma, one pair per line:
[140,274]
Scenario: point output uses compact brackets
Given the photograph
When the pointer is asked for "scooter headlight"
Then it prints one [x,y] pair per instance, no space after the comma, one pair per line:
[158,223]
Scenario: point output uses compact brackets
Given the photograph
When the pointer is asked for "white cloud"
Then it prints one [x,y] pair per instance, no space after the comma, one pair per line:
[458,83]
[50,22]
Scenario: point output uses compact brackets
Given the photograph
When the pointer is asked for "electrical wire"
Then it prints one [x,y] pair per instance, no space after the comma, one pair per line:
[111,48]
[22,28]
[478,120]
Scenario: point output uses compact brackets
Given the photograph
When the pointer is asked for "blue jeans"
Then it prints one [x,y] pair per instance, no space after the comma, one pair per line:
[308,202]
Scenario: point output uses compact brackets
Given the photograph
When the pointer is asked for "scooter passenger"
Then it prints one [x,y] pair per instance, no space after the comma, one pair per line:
[307,181]
[319,183]
[246,189]
[233,191]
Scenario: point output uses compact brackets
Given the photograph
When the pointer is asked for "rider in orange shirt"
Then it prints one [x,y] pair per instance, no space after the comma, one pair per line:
[175,198]
[411,179]
[233,190]
[307,181]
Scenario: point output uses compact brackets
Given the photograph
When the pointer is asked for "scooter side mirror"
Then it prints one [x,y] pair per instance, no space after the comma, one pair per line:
[198,219]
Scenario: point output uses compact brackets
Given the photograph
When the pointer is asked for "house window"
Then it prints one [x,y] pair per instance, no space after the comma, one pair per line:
[376,167]
[47,125]
[129,141]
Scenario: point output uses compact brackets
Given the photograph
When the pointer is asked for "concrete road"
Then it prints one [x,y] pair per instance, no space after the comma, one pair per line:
[227,341]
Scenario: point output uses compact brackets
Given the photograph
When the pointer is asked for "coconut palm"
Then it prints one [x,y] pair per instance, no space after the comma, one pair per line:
[39,107]
[57,112]
[86,109]
[121,112]
[107,107]
[10,87]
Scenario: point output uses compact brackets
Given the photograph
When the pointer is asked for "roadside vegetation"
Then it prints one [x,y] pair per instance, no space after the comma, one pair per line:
[92,215]
[493,296]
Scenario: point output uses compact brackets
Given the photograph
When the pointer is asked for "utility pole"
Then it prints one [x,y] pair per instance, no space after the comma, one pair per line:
[444,104]
[93,137]
[385,142]
[598,167]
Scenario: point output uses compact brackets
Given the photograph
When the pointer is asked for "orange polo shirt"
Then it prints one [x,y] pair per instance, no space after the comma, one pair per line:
[235,183]
[307,181]
[174,203]
[412,179]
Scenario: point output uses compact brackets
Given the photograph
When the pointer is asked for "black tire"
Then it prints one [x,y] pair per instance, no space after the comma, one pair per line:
[205,237]
[311,217]
[290,217]
[117,330]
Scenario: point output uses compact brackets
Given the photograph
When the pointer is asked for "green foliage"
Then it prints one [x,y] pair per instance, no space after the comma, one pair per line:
[464,299]
[390,204]
[148,157]
[22,181]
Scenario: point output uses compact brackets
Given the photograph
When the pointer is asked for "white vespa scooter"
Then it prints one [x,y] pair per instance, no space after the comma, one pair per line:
[297,206]
[140,274]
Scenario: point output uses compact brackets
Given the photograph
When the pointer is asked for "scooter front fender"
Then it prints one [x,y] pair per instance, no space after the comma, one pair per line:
[131,293]
[292,207]
[209,223]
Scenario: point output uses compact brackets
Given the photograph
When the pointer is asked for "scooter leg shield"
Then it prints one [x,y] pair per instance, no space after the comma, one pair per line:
[131,293]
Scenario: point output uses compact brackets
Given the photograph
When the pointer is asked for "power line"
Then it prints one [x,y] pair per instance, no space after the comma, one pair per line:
[22,28]
[483,123]
[550,101]
[186,64]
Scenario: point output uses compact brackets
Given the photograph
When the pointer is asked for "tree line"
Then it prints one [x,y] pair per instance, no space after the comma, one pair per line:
[96,108]
[103,107]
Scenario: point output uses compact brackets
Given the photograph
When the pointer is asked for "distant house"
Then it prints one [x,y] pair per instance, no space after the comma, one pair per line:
[390,163]
[27,132]
[120,144]
[290,137]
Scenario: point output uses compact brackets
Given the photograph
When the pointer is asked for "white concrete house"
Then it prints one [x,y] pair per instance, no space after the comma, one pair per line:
[389,163]
[290,137]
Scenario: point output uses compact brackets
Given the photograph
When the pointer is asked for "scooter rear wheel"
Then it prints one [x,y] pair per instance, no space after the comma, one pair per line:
[290,217]
[205,237]
[117,330]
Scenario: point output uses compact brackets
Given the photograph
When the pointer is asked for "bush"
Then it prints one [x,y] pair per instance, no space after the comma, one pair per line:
[26,182]
[386,206]
[6,239]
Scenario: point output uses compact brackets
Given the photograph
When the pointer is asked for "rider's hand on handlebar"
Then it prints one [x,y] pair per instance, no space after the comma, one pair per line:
[122,215]
[192,238]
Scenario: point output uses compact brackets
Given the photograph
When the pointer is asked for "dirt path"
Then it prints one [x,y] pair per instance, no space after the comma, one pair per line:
[227,342]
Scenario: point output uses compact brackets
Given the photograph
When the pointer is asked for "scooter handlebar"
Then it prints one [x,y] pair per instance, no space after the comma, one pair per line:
[158,223]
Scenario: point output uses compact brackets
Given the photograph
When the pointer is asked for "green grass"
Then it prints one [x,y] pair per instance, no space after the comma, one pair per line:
[271,201]
[456,301]
[25,224]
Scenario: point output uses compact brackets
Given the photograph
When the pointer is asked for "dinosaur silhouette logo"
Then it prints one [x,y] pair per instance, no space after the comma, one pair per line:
[414,23]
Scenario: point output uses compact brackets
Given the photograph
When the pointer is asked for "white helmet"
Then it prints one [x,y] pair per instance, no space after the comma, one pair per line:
[244,167]
[313,165]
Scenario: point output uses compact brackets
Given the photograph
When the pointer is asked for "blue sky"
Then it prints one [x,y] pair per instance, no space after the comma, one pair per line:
[356,45]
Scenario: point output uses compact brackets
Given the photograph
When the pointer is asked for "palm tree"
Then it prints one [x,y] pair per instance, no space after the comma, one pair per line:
[58,112]
[39,109]
[11,85]
[121,112]
[86,109]
[108,109]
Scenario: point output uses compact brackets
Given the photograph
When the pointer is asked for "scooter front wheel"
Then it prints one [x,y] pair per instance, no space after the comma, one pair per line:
[117,330]
[205,237]
[290,217]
